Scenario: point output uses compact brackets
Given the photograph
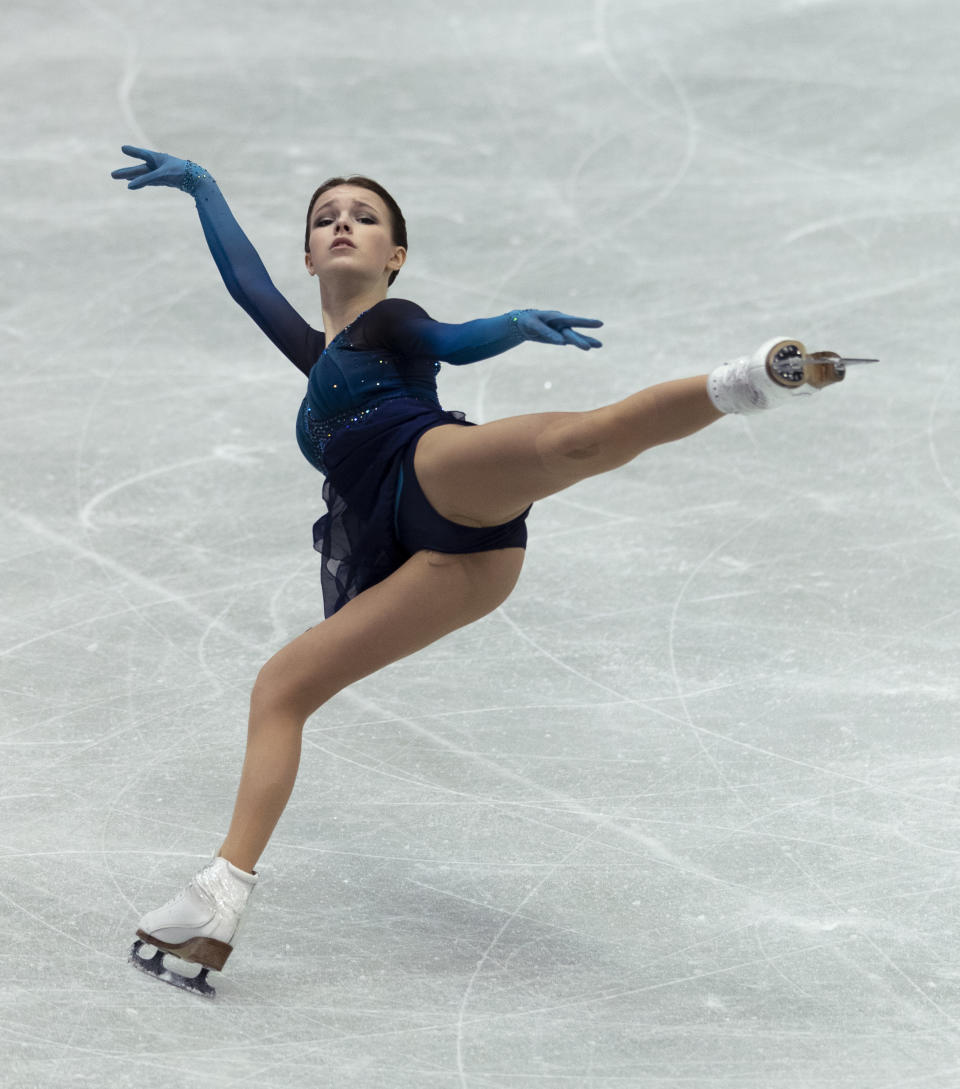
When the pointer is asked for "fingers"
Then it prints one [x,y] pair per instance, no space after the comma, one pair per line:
[552,335]
[130,174]
[138,152]
[552,327]
[563,323]
[589,323]
[578,340]
[136,177]
[129,171]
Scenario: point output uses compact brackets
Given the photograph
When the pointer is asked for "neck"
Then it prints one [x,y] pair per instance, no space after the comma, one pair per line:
[344,303]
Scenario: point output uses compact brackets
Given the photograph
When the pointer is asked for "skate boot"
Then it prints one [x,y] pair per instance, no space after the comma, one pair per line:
[777,372]
[198,925]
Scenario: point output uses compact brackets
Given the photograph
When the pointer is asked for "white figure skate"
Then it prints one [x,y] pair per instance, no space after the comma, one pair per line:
[777,372]
[198,925]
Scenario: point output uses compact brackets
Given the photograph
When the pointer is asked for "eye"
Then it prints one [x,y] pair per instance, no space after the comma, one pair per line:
[322,221]
[366,218]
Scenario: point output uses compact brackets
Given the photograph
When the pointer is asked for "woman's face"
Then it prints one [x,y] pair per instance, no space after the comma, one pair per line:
[351,236]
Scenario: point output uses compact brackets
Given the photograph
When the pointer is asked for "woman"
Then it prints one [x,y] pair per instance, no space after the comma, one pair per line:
[425,526]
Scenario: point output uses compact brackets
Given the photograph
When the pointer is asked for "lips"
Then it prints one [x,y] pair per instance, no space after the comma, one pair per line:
[343,242]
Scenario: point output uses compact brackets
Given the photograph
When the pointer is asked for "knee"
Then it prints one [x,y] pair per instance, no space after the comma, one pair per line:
[269,694]
[280,695]
[577,438]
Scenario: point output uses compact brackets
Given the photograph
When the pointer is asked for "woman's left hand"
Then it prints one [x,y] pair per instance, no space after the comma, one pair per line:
[552,327]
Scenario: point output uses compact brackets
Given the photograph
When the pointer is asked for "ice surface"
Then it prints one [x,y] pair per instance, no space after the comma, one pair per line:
[684,812]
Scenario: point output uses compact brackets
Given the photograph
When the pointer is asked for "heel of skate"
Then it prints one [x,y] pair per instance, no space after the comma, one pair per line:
[205,951]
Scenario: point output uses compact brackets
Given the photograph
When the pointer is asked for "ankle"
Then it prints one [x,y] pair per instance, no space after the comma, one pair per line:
[244,862]
[772,376]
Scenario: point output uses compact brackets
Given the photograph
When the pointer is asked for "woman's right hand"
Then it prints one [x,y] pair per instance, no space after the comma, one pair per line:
[156,169]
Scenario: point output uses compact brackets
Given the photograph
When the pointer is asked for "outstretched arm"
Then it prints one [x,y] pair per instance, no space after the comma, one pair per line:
[417,335]
[240,266]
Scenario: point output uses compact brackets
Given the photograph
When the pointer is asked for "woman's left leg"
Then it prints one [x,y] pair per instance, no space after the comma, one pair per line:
[487,475]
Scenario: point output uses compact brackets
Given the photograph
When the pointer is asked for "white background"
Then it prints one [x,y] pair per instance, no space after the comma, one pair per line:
[683,813]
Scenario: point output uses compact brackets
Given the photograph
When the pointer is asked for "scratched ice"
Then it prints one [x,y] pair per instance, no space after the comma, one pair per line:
[684,811]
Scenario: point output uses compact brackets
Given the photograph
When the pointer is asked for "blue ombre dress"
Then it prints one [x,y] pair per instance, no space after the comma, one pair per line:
[371,394]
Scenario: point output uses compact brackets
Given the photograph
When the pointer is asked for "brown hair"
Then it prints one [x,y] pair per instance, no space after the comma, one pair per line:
[398,223]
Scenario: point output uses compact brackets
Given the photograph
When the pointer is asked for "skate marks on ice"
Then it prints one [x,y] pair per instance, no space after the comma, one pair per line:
[757,766]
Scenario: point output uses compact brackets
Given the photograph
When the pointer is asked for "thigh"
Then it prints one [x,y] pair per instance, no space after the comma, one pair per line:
[420,527]
[486,475]
[489,474]
[431,595]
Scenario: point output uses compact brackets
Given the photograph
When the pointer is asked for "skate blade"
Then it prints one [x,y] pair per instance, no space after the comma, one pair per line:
[154,966]
[824,368]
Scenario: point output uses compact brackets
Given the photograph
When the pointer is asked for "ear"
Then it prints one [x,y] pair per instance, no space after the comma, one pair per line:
[398,259]
[308,261]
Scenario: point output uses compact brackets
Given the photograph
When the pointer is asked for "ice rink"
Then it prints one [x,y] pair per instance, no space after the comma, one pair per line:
[683,813]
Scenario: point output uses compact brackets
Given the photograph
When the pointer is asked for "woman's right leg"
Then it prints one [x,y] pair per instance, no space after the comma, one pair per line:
[430,596]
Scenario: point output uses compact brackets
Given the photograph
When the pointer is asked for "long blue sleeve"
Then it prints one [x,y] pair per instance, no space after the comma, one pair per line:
[248,281]
[408,330]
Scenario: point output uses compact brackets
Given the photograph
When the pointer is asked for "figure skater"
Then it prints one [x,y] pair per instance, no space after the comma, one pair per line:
[425,524]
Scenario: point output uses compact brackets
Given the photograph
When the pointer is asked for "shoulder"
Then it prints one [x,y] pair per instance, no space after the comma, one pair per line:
[392,323]
[398,310]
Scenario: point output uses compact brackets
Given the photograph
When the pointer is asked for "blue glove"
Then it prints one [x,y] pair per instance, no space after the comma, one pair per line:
[159,169]
[552,327]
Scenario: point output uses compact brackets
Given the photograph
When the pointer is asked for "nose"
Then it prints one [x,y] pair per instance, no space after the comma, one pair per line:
[342,224]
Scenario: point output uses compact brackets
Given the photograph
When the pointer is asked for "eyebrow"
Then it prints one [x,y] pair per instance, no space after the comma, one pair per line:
[354,204]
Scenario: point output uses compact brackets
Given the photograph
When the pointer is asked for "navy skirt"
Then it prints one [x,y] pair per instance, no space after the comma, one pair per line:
[377,515]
